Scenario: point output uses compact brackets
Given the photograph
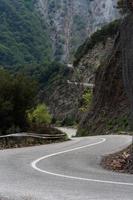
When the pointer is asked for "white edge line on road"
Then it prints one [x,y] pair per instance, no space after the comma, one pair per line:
[34,166]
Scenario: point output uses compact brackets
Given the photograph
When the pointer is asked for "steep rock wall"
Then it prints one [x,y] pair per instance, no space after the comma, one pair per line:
[110,108]
[85,70]
[70,22]
[64,96]
[127,58]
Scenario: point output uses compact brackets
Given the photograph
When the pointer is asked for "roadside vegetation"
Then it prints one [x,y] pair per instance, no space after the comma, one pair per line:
[86,100]
[39,118]
[19,108]
[39,115]
[17,95]
[20,111]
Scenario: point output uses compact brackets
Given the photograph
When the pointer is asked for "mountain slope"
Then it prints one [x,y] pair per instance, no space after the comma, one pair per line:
[23,36]
[26,37]
[110,108]
[70,22]
[64,94]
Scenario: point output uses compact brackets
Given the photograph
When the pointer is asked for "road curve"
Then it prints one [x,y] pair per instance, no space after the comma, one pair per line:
[65,171]
[89,85]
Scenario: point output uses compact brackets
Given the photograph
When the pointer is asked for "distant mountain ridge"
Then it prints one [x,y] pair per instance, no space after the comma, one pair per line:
[70,22]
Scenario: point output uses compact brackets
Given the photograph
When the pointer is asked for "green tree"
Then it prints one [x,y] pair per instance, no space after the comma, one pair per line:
[24,93]
[17,95]
[40,115]
[6,106]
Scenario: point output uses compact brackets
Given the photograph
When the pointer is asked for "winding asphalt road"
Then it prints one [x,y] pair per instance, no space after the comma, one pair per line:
[65,171]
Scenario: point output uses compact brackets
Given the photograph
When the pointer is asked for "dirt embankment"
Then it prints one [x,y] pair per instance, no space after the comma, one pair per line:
[120,162]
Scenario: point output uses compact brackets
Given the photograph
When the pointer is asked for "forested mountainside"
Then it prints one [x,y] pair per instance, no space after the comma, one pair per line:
[71,22]
[23,35]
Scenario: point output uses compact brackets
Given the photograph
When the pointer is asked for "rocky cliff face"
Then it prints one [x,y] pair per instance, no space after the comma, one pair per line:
[126,40]
[94,52]
[63,97]
[85,70]
[63,100]
[110,108]
[64,94]
[70,22]
[102,12]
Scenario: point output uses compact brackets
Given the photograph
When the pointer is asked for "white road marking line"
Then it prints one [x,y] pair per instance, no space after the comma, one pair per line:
[34,166]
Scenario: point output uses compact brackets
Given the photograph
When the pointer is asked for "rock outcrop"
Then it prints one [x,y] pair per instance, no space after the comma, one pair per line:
[64,94]
[110,108]
[127,58]
[62,98]
[70,22]
[85,70]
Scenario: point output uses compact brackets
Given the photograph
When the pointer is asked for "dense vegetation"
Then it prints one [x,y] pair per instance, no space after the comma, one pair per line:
[23,36]
[39,115]
[101,35]
[42,73]
[17,95]
[86,100]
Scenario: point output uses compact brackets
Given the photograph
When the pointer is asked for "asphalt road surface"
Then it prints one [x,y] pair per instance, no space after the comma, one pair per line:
[65,171]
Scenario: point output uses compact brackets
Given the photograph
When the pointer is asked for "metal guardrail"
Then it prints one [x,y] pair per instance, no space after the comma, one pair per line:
[24,140]
[34,135]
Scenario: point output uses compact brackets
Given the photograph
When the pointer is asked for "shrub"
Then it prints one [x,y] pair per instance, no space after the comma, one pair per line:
[86,100]
[40,115]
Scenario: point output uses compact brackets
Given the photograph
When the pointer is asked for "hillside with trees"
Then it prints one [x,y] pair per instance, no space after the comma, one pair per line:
[24,37]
